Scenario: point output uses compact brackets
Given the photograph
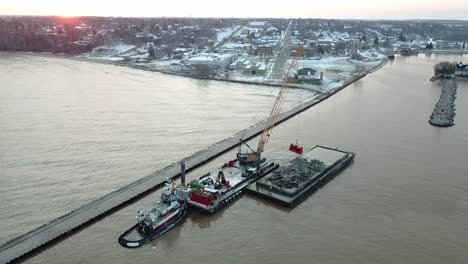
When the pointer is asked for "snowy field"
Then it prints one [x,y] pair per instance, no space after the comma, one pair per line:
[224,33]
[331,64]
[112,49]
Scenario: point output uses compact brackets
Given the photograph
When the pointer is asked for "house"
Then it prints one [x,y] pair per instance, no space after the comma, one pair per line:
[308,74]
[239,64]
[310,51]
[447,45]
[258,68]
[325,45]
[461,70]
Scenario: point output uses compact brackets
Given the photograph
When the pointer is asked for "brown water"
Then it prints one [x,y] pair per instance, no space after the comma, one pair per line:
[404,200]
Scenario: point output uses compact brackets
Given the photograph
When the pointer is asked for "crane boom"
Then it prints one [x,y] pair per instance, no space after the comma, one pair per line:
[254,157]
[271,121]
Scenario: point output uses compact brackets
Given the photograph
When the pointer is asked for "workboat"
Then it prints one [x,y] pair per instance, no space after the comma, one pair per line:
[165,214]
[220,187]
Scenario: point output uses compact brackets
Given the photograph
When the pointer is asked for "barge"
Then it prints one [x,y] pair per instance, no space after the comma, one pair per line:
[213,190]
[301,175]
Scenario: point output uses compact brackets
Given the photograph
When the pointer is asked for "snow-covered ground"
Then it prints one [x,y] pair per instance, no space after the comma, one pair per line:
[331,64]
[372,55]
[162,64]
[111,53]
[236,76]
[224,33]
[336,70]
[103,58]
[112,49]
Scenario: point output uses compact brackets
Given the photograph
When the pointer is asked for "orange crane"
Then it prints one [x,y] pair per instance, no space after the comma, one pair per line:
[255,156]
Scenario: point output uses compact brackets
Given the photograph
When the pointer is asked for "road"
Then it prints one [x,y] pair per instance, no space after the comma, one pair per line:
[222,42]
[278,68]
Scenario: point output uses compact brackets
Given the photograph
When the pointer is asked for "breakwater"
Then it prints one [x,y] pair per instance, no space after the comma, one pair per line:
[444,111]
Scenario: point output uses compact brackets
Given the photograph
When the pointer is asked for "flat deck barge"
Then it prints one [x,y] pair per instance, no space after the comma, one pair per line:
[305,173]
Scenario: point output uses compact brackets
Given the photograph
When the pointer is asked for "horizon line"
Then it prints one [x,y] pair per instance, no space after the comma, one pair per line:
[233,17]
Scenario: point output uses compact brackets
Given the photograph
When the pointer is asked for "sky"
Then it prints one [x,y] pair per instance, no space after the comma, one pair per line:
[339,9]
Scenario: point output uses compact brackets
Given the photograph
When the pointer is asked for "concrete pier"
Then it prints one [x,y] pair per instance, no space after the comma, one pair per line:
[40,236]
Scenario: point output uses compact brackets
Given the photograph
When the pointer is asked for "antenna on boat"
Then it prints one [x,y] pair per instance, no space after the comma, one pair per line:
[182,173]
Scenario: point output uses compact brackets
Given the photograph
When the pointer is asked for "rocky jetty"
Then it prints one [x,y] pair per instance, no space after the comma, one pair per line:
[444,111]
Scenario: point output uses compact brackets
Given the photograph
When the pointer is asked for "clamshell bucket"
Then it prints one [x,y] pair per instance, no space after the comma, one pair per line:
[296,149]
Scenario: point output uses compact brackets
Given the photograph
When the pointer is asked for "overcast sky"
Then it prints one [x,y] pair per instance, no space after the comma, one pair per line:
[359,9]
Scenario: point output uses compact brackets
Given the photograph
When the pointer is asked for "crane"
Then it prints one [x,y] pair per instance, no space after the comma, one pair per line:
[254,156]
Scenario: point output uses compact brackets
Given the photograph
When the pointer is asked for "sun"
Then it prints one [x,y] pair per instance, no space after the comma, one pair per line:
[67,16]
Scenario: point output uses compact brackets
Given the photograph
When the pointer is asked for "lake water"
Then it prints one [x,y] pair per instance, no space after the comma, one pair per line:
[404,199]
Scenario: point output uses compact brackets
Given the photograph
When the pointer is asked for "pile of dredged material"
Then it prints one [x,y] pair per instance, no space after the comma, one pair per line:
[297,173]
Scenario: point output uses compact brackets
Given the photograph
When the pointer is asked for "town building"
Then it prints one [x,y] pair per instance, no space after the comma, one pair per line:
[308,74]
[205,65]
[264,50]
[258,24]
[258,68]
[239,64]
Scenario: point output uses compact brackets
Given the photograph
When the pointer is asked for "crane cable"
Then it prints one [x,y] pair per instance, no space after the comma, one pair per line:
[299,114]
[269,91]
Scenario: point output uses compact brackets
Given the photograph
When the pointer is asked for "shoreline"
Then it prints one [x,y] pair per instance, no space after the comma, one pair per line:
[454,52]
[343,82]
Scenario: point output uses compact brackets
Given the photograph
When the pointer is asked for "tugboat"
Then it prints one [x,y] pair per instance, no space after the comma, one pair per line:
[165,214]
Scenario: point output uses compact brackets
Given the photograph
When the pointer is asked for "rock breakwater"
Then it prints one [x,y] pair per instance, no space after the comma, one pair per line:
[444,111]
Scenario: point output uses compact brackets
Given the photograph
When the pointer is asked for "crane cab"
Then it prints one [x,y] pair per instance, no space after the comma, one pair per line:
[248,158]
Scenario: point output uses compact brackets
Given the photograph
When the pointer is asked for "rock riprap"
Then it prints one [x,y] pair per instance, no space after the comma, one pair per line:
[444,111]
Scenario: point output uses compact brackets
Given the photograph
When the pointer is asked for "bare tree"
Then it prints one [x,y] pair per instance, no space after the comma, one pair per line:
[151,51]
[444,67]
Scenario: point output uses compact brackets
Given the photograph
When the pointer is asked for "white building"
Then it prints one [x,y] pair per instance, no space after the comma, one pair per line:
[208,64]
[258,24]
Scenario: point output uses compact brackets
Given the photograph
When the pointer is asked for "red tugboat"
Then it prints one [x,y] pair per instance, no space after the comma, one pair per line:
[165,214]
